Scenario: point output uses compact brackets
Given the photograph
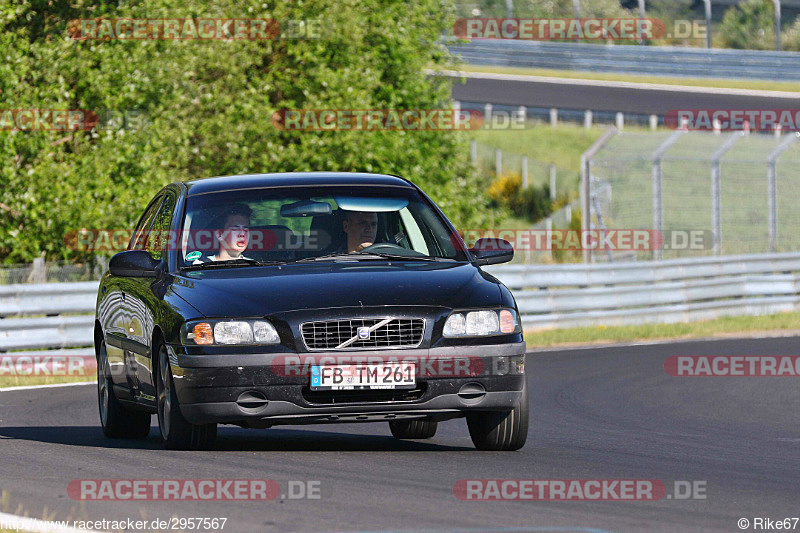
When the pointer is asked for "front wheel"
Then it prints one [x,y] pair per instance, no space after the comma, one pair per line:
[176,432]
[117,422]
[500,431]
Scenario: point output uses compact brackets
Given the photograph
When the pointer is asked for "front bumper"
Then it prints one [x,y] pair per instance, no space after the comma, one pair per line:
[254,390]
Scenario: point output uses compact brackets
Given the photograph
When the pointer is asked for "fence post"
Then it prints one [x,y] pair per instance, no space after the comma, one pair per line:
[587,119]
[708,23]
[772,189]
[473,152]
[653,122]
[658,219]
[38,274]
[524,171]
[552,183]
[620,119]
[553,117]
[586,169]
[641,16]
[487,114]
[522,114]
[716,189]
[498,162]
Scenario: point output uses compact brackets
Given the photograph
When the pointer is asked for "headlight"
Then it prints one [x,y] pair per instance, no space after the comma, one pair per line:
[481,323]
[212,332]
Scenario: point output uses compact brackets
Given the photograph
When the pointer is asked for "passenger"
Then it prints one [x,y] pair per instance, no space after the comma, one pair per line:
[234,236]
[361,229]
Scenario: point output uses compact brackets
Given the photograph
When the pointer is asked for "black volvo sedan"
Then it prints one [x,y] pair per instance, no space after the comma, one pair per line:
[305,298]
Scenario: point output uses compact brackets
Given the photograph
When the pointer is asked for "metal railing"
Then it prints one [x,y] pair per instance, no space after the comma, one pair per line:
[47,315]
[657,61]
[549,296]
[679,290]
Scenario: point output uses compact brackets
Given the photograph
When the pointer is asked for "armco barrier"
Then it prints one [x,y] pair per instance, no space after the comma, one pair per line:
[549,296]
[633,59]
[678,290]
[68,310]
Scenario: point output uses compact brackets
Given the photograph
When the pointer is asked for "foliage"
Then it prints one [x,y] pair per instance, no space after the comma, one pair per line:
[532,202]
[208,106]
[750,25]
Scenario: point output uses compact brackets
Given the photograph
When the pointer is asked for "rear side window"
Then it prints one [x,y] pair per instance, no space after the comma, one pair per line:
[159,231]
[139,239]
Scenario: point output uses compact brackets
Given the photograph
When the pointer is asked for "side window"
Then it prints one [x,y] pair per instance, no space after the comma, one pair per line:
[139,235]
[159,232]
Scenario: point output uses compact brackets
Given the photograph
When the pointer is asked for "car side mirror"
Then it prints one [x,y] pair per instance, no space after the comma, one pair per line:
[491,251]
[135,264]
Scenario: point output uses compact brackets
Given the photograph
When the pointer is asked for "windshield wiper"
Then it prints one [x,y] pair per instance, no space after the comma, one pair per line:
[242,261]
[370,255]
[403,257]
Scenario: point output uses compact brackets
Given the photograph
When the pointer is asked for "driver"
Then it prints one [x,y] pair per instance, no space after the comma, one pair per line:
[234,236]
[361,229]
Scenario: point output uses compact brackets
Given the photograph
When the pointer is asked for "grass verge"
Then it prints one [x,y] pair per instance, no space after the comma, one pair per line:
[26,381]
[722,327]
[717,83]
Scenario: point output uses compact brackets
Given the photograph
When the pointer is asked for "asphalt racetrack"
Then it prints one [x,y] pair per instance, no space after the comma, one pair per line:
[601,413]
[606,96]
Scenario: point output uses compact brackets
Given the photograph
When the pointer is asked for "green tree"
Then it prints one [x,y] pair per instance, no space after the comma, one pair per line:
[209,106]
[750,25]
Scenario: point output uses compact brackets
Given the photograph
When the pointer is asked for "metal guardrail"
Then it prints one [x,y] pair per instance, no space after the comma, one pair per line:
[679,290]
[653,60]
[549,296]
[68,310]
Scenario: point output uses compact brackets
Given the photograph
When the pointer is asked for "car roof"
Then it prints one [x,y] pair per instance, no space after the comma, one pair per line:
[291,179]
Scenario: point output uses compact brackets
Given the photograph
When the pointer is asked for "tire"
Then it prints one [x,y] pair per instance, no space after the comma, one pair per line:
[176,432]
[116,421]
[500,430]
[413,429]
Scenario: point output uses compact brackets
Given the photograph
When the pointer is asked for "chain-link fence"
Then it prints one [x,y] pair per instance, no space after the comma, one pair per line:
[492,162]
[707,193]
[52,272]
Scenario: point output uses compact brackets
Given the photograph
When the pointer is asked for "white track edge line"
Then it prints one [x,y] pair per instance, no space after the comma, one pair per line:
[47,386]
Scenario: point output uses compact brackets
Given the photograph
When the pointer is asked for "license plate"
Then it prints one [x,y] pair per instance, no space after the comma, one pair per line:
[363,376]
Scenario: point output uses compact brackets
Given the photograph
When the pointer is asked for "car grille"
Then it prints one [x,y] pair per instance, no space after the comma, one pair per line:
[339,334]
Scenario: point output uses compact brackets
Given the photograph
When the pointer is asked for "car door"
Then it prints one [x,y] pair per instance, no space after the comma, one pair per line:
[118,324]
[144,302]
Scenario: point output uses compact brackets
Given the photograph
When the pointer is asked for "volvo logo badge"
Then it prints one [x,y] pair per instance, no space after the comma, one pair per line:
[363,334]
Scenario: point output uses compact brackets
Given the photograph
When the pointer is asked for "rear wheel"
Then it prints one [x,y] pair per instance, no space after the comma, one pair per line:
[413,429]
[117,422]
[503,430]
[176,432]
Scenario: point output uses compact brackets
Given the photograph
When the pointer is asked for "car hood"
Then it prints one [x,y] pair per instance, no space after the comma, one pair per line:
[261,291]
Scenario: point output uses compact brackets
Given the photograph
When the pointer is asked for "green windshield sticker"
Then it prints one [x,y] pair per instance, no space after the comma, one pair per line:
[191,256]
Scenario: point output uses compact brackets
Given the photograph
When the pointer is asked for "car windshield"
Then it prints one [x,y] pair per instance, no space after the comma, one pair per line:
[288,224]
